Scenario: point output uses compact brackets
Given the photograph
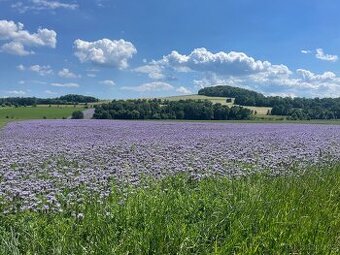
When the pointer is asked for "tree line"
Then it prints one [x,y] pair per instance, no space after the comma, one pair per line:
[164,109]
[31,101]
[295,108]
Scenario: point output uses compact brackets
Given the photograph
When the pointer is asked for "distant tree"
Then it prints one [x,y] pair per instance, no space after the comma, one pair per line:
[157,109]
[77,115]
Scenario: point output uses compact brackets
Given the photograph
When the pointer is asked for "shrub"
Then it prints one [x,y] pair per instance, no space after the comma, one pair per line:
[77,115]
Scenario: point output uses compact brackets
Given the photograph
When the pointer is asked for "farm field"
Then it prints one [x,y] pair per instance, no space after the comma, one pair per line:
[136,187]
[39,112]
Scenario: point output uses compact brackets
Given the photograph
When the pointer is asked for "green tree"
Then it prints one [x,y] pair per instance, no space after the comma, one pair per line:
[77,115]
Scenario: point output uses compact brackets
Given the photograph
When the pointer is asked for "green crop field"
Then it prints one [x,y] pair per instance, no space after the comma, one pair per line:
[39,112]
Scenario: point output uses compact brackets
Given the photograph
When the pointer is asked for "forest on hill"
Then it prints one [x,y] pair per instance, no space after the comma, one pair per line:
[31,101]
[296,108]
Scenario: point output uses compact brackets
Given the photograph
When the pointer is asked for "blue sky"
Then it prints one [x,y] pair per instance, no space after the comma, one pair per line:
[133,48]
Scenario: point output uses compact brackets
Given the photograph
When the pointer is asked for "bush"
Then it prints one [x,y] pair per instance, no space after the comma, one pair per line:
[78,115]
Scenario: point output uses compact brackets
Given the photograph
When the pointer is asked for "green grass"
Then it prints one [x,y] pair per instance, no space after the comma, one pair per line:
[3,123]
[39,112]
[297,214]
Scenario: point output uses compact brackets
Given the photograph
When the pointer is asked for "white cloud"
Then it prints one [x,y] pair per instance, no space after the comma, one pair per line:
[239,69]
[49,92]
[152,86]
[100,3]
[66,85]
[154,72]
[21,82]
[306,51]
[91,75]
[108,82]
[184,91]
[212,79]
[21,67]
[326,57]
[15,48]
[223,63]
[40,5]
[17,38]
[282,94]
[41,70]
[66,73]
[16,92]
[301,83]
[105,52]
[311,77]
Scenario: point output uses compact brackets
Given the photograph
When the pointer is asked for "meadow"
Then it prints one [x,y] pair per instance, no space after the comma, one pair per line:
[38,112]
[153,187]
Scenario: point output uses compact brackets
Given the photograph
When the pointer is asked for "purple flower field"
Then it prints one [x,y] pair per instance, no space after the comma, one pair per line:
[46,165]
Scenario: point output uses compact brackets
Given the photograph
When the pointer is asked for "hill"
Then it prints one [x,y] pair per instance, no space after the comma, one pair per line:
[242,96]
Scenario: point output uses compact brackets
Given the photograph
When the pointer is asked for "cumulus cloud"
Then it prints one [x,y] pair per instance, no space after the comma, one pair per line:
[184,91]
[108,82]
[40,5]
[66,73]
[17,38]
[65,85]
[223,63]
[300,83]
[238,69]
[105,52]
[41,70]
[154,72]
[218,68]
[150,87]
[15,48]
[320,54]
[312,77]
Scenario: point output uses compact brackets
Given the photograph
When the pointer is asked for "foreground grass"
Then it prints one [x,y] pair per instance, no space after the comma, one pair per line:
[3,123]
[39,112]
[253,215]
